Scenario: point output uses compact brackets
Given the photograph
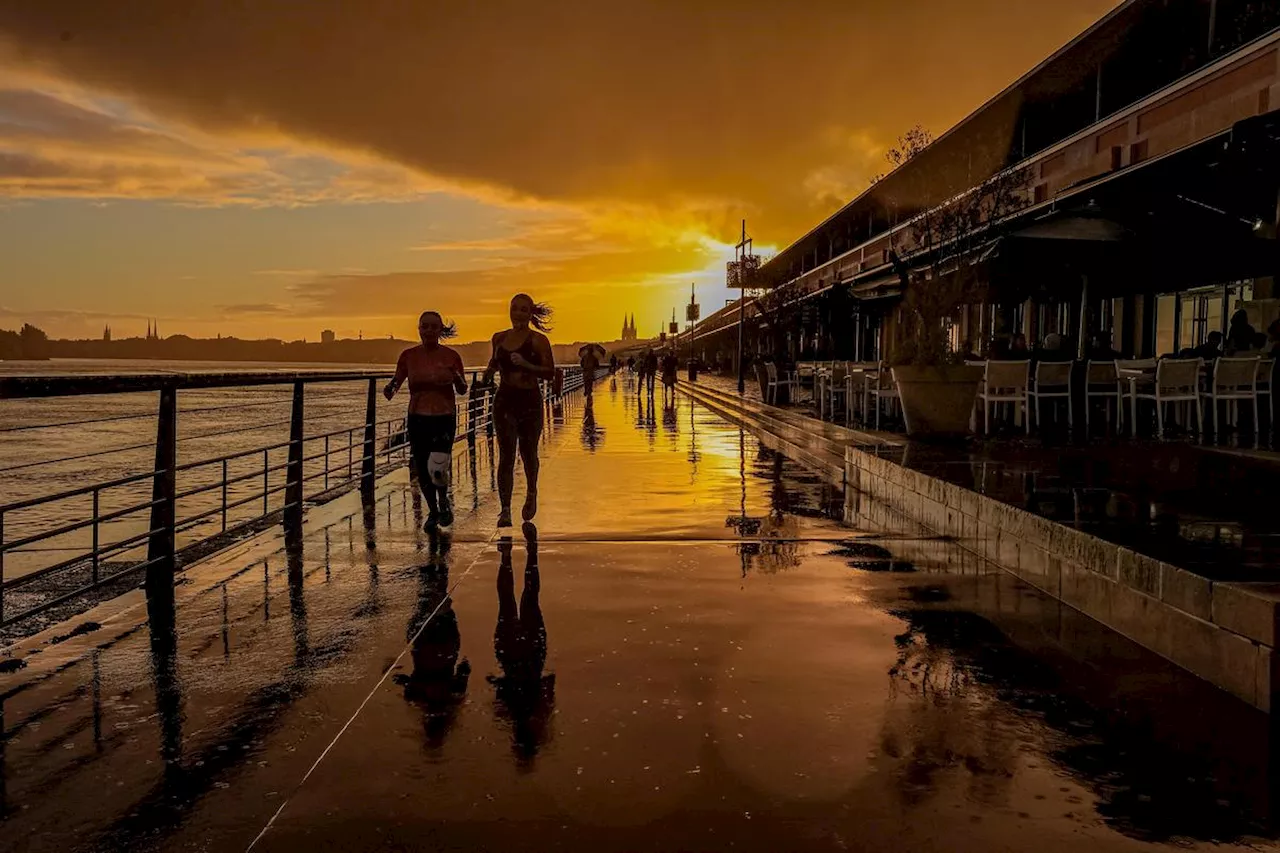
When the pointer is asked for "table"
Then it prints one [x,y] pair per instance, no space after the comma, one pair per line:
[1133,375]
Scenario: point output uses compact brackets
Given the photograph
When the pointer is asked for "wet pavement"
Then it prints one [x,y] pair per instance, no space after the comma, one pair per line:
[694,654]
[1203,507]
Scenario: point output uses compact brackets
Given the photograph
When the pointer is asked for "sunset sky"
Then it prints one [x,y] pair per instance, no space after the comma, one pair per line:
[274,167]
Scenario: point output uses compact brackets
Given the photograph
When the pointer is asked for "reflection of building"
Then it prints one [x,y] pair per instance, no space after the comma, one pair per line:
[1134,171]
[629,328]
[327,336]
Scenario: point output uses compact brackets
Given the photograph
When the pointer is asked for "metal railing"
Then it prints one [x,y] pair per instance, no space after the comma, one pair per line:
[306,466]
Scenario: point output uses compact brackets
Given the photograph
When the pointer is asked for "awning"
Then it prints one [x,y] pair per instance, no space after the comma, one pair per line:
[883,286]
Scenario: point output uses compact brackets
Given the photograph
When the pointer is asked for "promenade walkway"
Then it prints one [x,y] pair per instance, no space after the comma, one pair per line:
[695,654]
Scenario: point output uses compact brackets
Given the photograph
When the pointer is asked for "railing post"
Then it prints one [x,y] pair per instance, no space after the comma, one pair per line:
[224,496]
[488,410]
[1,567]
[160,548]
[293,471]
[473,411]
[96,504]
[369,459]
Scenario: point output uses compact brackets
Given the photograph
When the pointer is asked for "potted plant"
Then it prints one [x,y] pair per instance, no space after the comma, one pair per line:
[936,388]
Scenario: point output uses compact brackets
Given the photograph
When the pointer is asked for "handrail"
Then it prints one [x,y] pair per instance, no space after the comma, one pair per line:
[370,444]
[16,387]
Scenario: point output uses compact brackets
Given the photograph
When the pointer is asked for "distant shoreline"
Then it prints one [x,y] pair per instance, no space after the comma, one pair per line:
[377,351]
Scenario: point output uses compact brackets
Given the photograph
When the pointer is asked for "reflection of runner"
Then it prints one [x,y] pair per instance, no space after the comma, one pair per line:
[435,374]
[525,697]
[522,355]
[438,683]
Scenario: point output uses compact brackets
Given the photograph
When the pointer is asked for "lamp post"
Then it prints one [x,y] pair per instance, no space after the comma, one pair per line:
[741,274]
[692,314]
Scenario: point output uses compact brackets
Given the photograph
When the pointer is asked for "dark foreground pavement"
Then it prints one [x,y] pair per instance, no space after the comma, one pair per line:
[695,655]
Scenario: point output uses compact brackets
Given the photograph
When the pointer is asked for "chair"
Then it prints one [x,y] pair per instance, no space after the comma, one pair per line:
[855,389]
[1265,368]
[773,382]
[1127,381]
[1234,379]
[836,388]
[1102,381]
[1177,380]
[1005,382]
[879,386]
[1053,382]
[806,374]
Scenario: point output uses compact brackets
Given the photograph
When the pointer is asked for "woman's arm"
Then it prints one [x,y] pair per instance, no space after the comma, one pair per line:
[402,373]
[459,375]
[546,366]
[493,361]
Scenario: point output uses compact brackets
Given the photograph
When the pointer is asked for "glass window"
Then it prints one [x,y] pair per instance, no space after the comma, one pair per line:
[1164,323]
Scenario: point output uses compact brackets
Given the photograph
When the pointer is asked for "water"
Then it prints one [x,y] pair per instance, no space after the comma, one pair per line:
[118,441]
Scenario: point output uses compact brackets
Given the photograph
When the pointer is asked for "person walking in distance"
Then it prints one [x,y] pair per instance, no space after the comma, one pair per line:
[590,362]
[670,369]
[435,376]
[522,356]
[650,368]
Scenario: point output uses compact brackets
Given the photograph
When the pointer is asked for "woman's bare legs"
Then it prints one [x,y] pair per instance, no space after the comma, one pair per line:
[507,443]
[529,455]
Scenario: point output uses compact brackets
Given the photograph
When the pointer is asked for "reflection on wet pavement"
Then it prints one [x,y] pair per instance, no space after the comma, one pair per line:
[689,652]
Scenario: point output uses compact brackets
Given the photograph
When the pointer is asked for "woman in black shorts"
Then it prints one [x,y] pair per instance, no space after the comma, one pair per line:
[522,356]
[435,375]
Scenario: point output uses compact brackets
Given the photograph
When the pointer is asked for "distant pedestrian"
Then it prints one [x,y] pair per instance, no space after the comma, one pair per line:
[650,368]
[523,356]
[589,359]
[670,367]
[435,375]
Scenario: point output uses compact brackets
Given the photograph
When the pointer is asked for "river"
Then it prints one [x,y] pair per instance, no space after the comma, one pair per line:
[50,445]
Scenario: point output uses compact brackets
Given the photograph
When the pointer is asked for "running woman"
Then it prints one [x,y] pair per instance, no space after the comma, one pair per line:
[522,356]
[435,376]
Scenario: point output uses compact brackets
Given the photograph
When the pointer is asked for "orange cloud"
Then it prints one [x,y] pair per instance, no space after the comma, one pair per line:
[664,103]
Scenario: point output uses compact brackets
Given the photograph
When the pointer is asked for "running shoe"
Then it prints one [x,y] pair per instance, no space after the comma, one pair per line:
[530,506]
[504,517]
[446,517]
[433,521]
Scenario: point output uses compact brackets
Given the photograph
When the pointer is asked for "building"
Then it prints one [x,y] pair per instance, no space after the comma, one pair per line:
[106,334]
[629,329]
[327,336]
[1139,169]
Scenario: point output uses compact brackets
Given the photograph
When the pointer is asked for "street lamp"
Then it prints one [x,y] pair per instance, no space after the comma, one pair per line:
[742,272]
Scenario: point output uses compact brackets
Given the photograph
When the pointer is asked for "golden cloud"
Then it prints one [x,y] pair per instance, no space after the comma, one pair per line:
[668,103]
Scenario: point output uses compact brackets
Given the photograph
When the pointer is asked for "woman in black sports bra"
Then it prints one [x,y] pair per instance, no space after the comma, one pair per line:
[522,355]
